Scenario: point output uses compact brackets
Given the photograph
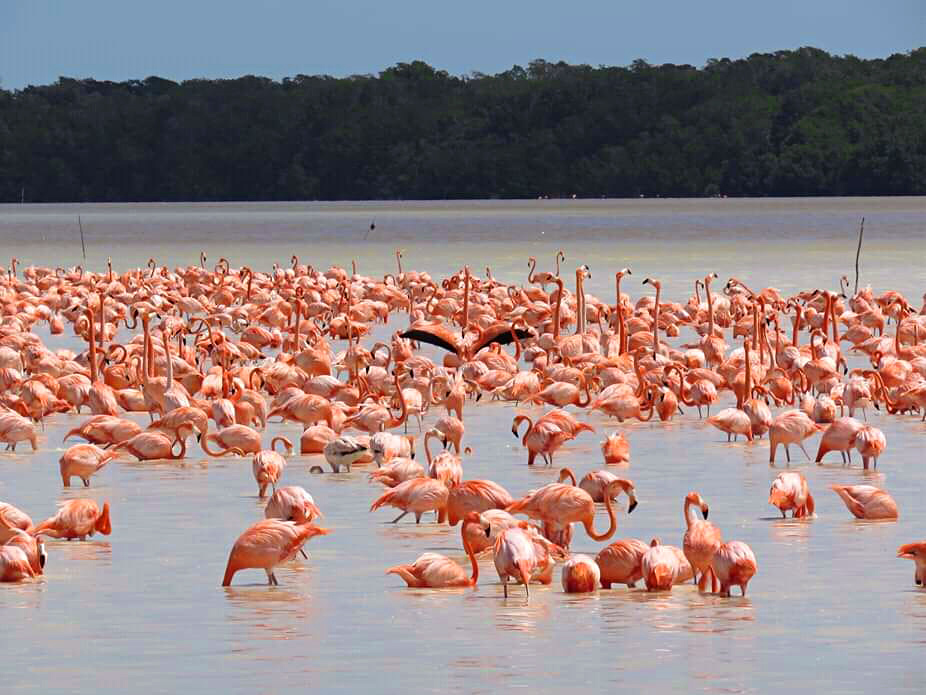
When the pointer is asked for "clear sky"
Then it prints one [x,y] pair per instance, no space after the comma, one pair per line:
[41,40]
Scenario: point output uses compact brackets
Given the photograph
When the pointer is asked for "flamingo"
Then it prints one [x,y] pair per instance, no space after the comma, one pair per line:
[870,443]
[734,564]
[839,436]
[83,461]
[867,501]
[475,496]
[235,437]
[416,495]
[398,470]
[620,562]
[790,427]
[662,567]
[12,520]
[291,503]
[616,449]
[433,571]
[105,430]
[267,465]
[14,564]
[269,543]
[701,540]
[790,491]
[732,421]
[150,446]
[559,505]
[917,553]
[580,574]
[76,519]
[515,556]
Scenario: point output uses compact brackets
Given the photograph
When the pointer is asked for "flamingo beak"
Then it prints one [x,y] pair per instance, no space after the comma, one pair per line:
[43,556]
[704,511]
[488,531]
[633,505]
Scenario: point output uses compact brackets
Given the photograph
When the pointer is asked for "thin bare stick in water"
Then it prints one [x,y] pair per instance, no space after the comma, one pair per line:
[858,251]
[82,247]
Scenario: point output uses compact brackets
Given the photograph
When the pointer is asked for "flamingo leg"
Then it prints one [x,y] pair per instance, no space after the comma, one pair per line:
[396,520]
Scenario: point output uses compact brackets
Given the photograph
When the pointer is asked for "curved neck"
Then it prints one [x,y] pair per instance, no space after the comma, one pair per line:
[567,473]
[690,515]
[399,420]
[710,308]
[556,314]
[532,266]
[612,526]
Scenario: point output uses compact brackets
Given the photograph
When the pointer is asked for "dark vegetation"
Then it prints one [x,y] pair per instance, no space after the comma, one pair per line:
[789,123]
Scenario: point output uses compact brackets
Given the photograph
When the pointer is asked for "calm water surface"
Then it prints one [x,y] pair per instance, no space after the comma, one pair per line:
[142,609]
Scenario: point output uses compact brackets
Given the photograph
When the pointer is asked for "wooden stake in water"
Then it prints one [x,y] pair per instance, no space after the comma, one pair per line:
[858,251]
[82,247]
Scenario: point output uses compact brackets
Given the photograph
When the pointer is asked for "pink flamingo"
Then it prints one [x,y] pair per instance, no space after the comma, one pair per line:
[734,564]
[790,491]
[433,571]
[267,544]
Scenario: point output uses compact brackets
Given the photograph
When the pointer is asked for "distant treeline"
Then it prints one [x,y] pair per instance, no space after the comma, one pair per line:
[788,123]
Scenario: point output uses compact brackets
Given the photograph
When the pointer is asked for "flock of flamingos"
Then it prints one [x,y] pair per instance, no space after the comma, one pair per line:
[239,347]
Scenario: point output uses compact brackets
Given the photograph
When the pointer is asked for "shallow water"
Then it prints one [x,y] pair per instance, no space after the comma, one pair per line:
[830,607]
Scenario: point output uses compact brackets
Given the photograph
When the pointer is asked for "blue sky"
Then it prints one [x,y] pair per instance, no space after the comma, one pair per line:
[105,39]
